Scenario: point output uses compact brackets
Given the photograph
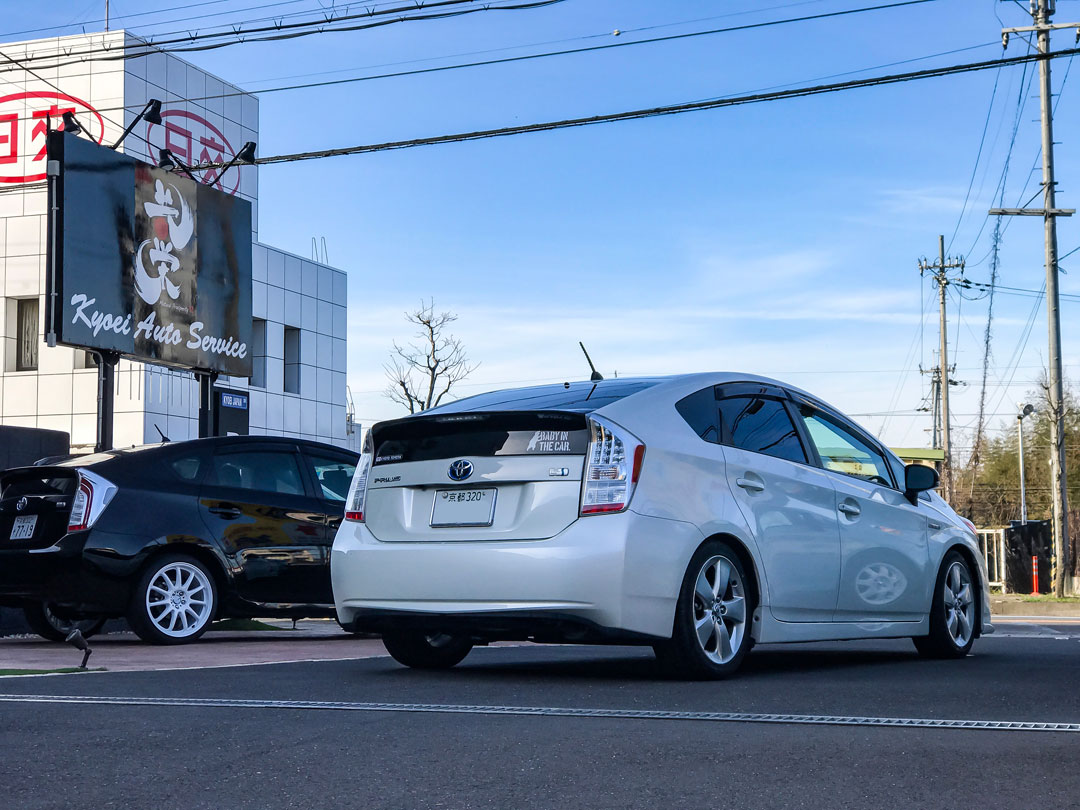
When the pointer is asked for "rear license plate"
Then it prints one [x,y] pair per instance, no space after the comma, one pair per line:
[463,507]
[24,527]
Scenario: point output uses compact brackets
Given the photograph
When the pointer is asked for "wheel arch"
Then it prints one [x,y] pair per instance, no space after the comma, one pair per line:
[200,551]
[747,559]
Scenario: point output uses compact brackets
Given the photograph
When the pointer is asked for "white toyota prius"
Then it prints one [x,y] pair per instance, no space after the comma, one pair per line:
[698,514]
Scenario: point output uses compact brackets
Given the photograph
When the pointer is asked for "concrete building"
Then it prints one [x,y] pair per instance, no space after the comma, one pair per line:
[297,386]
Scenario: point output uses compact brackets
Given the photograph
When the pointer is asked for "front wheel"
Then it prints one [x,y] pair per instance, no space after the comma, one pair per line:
[174,600]
[711,634]
[952,613]
[426,650]
[43,621]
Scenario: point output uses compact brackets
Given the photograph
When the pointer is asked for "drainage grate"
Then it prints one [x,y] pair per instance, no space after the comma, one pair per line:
[553,711]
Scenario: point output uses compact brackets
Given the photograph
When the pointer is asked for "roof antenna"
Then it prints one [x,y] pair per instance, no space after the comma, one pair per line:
[164,439]
[596,375]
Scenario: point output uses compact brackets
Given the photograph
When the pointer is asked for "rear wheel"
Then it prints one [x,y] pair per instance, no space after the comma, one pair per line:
[44,622]
[711,634]
[952,613]
[426,650]
[174,600]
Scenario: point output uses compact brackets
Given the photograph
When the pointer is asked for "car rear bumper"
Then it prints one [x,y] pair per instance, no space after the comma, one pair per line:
[608,577]
[66,574]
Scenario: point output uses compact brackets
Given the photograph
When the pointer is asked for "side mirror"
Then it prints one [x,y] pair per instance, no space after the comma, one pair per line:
[919,478]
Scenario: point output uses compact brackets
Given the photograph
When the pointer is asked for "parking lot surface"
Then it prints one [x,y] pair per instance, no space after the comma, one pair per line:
[533,726]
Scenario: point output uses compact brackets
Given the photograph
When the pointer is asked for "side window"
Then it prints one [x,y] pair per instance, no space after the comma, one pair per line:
[332,474]
[266,471]
[762,426]
[187,467]
[843,451]
[699,411]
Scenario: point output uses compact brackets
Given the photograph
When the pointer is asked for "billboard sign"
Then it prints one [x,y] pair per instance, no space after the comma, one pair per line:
[148,264]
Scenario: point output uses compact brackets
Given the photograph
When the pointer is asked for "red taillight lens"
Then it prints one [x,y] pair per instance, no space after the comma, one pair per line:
[354,503]
[612,468]
[80,507]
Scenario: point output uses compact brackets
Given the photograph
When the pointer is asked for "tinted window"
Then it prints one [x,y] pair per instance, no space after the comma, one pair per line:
[699,411]
[843,451]
[762,426]
[579,396]
[187,467]
[263,471]
[333,475]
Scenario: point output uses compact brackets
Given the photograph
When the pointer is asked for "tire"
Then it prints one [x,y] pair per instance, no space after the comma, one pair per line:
[953,612]
[426,650]
[174,600]
[711,633]
[45,623]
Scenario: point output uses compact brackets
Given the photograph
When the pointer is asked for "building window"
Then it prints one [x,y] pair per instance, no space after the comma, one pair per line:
[26,338]
[258,353]
[292,360]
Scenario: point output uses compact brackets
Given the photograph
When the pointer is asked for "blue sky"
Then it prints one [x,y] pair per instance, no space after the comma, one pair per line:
[777,238]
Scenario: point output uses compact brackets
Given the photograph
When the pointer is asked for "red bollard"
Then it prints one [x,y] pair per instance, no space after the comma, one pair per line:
[1034,576]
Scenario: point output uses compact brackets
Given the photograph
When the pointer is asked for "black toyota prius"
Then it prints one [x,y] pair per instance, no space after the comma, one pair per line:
[173,536]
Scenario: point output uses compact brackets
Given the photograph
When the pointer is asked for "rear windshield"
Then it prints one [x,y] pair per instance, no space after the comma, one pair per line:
[581,397]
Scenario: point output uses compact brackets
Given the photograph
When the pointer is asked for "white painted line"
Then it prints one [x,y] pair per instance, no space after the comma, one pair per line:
[552,711]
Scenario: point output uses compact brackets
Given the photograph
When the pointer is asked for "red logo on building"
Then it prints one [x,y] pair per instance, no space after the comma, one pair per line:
[194,140]
[24,121]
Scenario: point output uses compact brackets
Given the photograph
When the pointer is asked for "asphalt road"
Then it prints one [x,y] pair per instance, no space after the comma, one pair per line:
[444,748]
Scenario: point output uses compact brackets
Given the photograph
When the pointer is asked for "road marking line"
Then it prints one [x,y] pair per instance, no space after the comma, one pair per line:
[552,711]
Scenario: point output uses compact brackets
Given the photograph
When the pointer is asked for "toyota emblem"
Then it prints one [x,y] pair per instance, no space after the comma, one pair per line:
[460,470]
[21,504]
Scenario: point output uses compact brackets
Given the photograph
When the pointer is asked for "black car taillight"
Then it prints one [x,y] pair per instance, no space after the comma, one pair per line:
[92,495]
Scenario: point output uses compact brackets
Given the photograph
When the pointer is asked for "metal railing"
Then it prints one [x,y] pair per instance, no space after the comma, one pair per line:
[992,544]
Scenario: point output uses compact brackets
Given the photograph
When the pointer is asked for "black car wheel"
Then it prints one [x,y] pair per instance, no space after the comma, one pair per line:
[426,651]
[44,622]
[174,600]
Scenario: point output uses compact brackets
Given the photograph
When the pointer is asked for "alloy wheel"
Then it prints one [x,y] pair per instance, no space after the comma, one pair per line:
[719,609]
[959,603]
[179,599]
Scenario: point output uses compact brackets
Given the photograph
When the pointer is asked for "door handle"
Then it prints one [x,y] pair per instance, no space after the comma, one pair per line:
[225,510]
[750,484]
[934,525]
[850,509]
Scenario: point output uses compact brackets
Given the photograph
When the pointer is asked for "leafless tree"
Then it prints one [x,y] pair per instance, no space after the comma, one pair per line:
[423,372]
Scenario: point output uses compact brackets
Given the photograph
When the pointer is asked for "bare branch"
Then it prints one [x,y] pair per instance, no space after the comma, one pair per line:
[422,372]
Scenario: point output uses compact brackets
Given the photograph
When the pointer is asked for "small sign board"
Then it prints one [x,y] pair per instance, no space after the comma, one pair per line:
[238,401]
[147,263]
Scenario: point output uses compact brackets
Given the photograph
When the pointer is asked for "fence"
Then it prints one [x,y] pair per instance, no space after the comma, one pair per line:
[992,543]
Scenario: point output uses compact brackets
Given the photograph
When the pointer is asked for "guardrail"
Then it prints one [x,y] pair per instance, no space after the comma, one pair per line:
[992,544]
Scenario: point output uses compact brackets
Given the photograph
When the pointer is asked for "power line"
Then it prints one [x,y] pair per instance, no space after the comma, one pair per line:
[156,46]
[329,24]
[672,109]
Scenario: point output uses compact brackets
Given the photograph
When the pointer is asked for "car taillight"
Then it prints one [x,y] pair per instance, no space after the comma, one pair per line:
[92,495]
[354,504]
[612,467]
[970,526]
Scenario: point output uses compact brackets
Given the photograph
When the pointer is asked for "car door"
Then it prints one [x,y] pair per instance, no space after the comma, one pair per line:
[789,504]
[331,475]
[883,536]
[257,502]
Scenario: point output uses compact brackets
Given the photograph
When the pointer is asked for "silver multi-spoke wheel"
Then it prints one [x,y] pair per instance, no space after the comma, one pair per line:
[179,599]
[959,603]
[719,609]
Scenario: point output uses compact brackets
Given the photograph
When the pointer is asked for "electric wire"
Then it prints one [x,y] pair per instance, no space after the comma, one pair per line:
[152,47]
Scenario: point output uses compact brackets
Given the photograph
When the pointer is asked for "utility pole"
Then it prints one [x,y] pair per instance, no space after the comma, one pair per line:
[940,273]
[1041,11]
